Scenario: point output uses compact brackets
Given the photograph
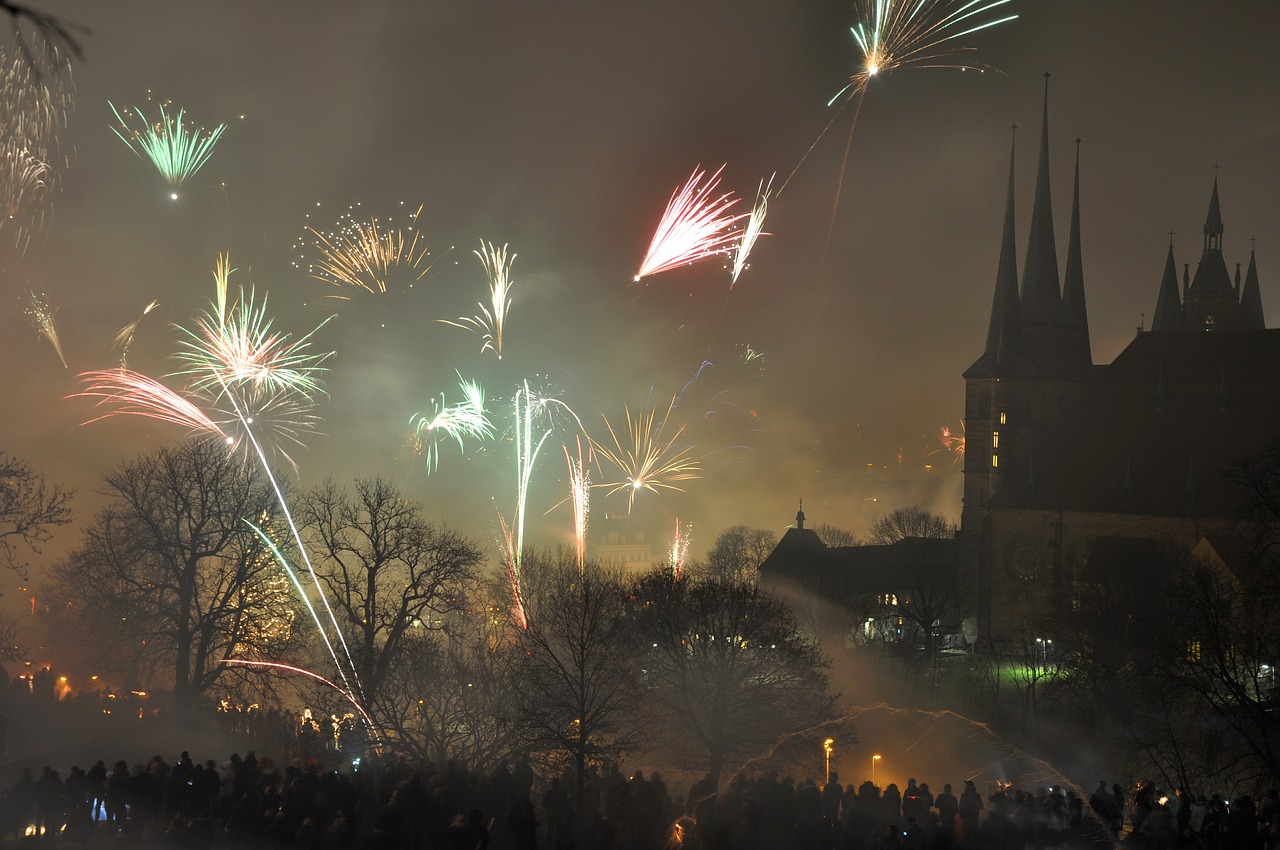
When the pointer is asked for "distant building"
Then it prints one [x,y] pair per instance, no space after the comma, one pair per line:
[1064,458]
[618,541]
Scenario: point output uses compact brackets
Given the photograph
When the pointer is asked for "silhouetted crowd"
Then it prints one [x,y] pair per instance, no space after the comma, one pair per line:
[392,805]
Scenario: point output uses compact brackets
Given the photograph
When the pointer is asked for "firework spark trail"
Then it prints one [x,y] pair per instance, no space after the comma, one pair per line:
[648,460]
[306,600]
[130,393]
[465,418]
[492,319]
[124,339]
[35,99]
[951,442]
[512,557]
[580,497]
[40,315]
[301,671]
[678,555]
[695,225]
[753,230]
[176,150]
[368,255]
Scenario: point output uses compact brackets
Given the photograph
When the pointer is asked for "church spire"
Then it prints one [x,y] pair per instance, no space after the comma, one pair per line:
[1168,315]
[1213,221]
[1251,317]
[1005,329]
[1041,297]
[1073,284]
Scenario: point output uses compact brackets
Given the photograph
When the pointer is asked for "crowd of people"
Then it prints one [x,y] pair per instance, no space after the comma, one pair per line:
[391,805]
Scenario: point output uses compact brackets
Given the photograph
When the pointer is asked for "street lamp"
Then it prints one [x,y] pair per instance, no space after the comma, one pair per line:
[1044,644]
[826,751]
[874,759]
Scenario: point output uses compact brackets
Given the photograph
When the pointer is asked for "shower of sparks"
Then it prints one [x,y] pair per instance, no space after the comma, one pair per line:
[696,224]
[491,319]
[679,552]
[176,150]
[456,421]
[893,34]
[646,458]
[753,230]
[579,498]
[375,256]
[124,339]
[35,100]
[125,392]
[40,315]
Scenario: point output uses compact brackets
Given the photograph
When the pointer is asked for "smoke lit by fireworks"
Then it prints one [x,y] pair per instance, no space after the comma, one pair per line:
[302,671]
[372,255]
[40,315]
[35,99]
[124,339]
[647,459]
[491,319]
[753,230]
[455,421]
[894,34]
[696,224]
[579,497]
[176,149]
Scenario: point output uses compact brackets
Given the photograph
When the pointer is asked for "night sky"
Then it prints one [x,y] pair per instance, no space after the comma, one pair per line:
[560,128]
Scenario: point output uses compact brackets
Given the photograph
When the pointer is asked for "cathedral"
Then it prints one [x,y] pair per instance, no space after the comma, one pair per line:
[1069,464]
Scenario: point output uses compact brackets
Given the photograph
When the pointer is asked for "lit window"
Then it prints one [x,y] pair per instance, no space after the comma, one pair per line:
[1193,651]
[995,461]
[1003,418]
[995,439]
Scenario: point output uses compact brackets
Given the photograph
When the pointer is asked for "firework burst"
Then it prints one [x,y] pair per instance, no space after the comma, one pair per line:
[35,99]
[645,457]
[492,318]
[176,149]
[696,224]
[456,421]
[951,442]
[371,255]
[40,314]
[895,34]
[124,392]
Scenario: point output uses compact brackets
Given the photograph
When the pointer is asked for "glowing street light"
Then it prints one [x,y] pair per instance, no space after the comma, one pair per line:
[826,751]
[875,758]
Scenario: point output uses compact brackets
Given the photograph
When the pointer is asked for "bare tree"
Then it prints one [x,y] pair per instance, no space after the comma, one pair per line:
[835,537]
[30,508]
[171,578]
[914,521]
[577,692]
[739,551]
[727,670]
[389,573]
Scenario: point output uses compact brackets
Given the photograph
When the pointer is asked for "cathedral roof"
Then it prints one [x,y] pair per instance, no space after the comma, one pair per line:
[1155,432]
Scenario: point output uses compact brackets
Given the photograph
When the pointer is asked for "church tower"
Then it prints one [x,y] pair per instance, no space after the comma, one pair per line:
[1035,366]
[1211,300]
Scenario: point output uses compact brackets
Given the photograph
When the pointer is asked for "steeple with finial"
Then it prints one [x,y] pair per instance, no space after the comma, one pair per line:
[800,516]
[1041,296]
[1073,303]
[1168,315]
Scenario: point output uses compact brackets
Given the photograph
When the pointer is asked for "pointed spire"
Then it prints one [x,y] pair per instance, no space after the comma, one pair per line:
[1213,221]
[1168,315]
[1073,285]
[1251,315]
[1005,329]
[1041,297]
